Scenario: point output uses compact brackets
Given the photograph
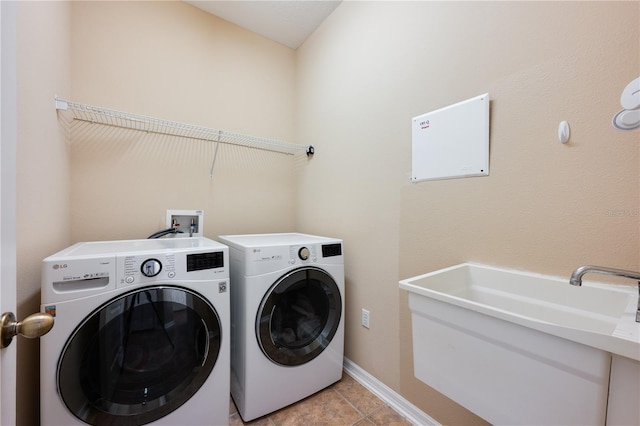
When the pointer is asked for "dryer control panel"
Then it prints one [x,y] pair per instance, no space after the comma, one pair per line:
[263,253]
[303,253]
[261,260]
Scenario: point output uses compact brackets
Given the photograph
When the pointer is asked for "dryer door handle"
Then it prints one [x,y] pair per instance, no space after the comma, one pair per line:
[35,325]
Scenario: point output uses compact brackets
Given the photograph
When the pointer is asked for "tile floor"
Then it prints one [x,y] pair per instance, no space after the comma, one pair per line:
[346,402]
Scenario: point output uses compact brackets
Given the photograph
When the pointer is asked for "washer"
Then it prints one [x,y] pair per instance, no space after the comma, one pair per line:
[287,318]
[141,333]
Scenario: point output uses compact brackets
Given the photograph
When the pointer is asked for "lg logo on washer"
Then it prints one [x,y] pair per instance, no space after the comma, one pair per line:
[57,266]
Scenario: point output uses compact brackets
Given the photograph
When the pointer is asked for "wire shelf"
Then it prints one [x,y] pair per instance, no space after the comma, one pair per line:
[108,117]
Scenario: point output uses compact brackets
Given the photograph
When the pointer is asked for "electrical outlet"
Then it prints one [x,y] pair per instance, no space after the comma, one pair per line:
[365,318]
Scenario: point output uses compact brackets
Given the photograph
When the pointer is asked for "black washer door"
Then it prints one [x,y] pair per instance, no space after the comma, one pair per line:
[139,357]
[299,316]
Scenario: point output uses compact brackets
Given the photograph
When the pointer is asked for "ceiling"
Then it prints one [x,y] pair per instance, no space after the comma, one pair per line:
[288,22]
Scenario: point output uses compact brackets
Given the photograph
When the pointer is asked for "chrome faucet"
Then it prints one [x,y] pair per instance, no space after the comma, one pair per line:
[576,278]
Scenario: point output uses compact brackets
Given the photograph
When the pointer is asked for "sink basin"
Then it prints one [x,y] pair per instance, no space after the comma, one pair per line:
[600,315]
[540,298]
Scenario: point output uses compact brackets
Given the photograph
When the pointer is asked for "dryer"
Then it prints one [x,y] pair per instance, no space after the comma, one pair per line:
[141,333]
[287,318]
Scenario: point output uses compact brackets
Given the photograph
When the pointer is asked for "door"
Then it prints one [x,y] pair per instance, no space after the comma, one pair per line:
[299,316]
[8,126]
[139,356]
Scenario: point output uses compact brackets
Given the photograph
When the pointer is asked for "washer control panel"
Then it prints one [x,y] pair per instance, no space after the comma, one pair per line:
[102,266]
[141,268]
[152,268]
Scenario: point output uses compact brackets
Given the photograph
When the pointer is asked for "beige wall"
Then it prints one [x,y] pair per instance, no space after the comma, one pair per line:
[172,61]
[546,207]
[351,91]
[43,192]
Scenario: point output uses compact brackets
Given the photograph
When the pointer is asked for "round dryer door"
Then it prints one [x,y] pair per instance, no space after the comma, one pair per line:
[299,316]
[139,357]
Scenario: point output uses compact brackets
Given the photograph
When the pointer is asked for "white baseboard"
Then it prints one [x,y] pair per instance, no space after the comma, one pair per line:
[388,395]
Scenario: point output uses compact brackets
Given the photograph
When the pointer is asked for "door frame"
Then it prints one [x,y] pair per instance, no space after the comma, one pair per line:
[8,143]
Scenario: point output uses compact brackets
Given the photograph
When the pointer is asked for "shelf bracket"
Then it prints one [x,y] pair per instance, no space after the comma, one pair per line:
[62,105]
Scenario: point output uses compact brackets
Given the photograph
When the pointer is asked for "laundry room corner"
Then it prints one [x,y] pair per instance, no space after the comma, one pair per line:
[235,81]
[351,189]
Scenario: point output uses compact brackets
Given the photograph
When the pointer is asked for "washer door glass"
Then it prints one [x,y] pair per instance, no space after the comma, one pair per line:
[299,316]
[139,357]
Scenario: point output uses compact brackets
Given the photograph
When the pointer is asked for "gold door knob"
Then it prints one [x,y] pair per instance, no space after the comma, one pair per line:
[33,326]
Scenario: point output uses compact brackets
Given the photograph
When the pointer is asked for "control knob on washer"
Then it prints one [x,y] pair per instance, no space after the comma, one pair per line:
[151,267]
[303,253]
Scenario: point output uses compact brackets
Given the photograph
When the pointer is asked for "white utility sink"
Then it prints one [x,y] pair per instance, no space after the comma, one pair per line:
[598,315]
[522,348]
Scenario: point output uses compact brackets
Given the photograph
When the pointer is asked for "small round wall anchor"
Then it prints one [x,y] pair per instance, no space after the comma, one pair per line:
[564,132]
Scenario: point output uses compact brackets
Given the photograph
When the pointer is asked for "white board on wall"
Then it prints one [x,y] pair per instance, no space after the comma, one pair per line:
[451,142]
